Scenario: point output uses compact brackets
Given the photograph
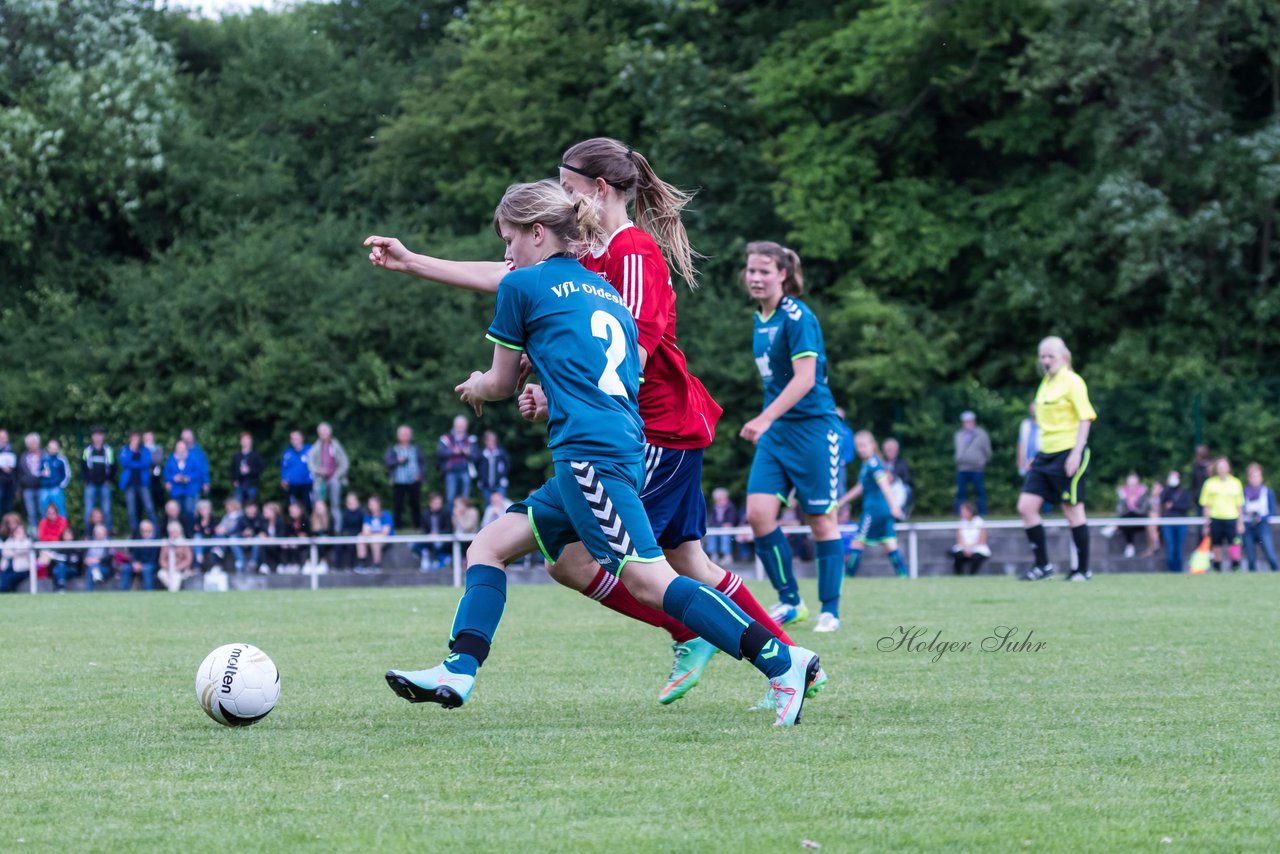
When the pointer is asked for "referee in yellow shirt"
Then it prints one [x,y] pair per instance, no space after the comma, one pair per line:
[1064,416]
[1222,498]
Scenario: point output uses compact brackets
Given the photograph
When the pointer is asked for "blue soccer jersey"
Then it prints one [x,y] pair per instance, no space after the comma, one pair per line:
[870,477]
[792,332]
[582,341]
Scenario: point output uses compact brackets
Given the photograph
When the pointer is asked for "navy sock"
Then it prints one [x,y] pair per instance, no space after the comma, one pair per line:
[899,565]
[775,554]
[830,554]
[717,620]
[851,564]
[477,617]
[1039,551]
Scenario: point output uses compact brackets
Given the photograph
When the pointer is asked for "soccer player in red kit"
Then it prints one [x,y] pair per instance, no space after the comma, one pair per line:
[679,414]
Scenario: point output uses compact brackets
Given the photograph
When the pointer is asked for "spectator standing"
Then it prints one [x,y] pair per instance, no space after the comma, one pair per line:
[1201,469]
[377,523]
[1222,498]
[135,480]
[55,476]
[405,469]
[329,465]
[436,520]
[143,560]
[182,481]
[1259,507]
[159,491]
[295,471]
[15,553]
[971,550]
[1028,442]
[455,459]
[903,485]
[973,451]
[493,466]
[1175,502]
[30,473]
[246,471]
[722,513]
[201,461]
[8,474]
[97,470]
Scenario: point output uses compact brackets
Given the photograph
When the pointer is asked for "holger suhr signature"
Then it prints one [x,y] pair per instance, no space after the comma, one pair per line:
[919,639]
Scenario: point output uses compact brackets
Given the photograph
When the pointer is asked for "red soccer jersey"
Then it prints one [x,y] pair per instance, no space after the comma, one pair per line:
[678,411]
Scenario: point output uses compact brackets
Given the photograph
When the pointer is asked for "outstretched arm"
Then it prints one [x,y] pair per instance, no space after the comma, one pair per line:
[390,254]
[494,384]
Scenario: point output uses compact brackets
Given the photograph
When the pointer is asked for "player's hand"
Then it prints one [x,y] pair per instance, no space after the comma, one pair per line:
[755,428]
[1072,465]
[526,368]
[468,393]
[533,403]
[388,253]
[899,515]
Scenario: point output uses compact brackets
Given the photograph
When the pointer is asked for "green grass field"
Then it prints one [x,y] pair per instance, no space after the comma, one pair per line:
[1147,722]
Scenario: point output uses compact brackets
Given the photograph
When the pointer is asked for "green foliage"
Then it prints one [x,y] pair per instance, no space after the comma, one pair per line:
[182,202]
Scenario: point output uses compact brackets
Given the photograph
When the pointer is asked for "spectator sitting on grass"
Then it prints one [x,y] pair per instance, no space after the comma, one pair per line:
[175,561]
[377,523]
[143,560]
[971,550]
[15,553]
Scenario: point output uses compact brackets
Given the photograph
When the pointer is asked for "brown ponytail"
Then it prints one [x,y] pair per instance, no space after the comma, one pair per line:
[657,203]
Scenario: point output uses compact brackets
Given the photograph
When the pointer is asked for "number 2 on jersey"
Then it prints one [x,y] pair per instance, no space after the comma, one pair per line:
[607,328]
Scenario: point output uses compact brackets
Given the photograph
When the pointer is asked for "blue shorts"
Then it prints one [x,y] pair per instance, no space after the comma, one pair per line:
[875,528]
[597,504]
[801,454]
[672,495]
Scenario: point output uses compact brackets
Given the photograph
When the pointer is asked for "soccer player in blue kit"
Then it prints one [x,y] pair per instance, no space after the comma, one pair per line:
[581,339]
[879,508]
[797,435]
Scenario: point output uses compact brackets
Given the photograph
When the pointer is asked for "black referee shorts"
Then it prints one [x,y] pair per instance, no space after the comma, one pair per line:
[1048,478]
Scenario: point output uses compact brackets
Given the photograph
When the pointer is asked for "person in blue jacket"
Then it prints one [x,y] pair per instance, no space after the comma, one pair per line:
[295,472]
[135,480]
[55,474]
[183,480]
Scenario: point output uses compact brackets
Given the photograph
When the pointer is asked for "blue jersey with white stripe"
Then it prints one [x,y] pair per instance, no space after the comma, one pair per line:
[792,332]
[582,342]
[874,502]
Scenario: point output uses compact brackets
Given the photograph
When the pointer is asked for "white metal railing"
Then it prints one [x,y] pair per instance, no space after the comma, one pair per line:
[457,541]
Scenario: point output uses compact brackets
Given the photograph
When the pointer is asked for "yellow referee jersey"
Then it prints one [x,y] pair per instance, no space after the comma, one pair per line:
[1223,497]
[1062,402]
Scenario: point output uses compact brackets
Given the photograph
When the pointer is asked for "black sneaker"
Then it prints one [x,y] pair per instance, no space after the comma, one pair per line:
[1077,575]
[1037,573]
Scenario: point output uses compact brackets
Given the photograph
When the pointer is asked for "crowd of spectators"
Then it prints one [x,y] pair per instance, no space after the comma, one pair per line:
[167,497]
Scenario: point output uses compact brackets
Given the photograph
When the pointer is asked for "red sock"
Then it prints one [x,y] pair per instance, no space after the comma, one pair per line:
[731,585]
[610,592]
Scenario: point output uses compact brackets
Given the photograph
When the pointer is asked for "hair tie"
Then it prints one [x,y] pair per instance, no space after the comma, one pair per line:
[631,151]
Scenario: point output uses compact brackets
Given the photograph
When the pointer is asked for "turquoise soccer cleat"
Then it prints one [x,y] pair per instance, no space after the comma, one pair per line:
[789,688]
[769,702]
[437,685]
[784,614]
[691,659]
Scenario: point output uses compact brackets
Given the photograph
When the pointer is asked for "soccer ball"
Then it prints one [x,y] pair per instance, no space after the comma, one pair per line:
[237,684]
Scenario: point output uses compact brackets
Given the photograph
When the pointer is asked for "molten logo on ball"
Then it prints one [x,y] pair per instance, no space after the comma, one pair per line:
[237,684]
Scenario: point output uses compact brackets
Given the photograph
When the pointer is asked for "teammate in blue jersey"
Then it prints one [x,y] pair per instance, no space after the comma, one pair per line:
[581,339]
[797,435]
[879,507]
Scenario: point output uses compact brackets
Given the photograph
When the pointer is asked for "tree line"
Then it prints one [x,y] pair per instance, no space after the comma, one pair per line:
[182,202]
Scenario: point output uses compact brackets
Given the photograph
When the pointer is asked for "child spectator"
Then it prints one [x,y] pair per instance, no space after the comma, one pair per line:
[15,553]
[350,525]
[493,466]
[971,550]
[175,561]
[97,560]
[1259,507]
[135,481]
[377,523]
[405,469]
[246,471]
[143,560]
[722,513]
[436,520]
[297,526]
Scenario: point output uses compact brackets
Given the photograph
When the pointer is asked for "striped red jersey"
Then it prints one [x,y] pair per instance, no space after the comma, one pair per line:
[678,411]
